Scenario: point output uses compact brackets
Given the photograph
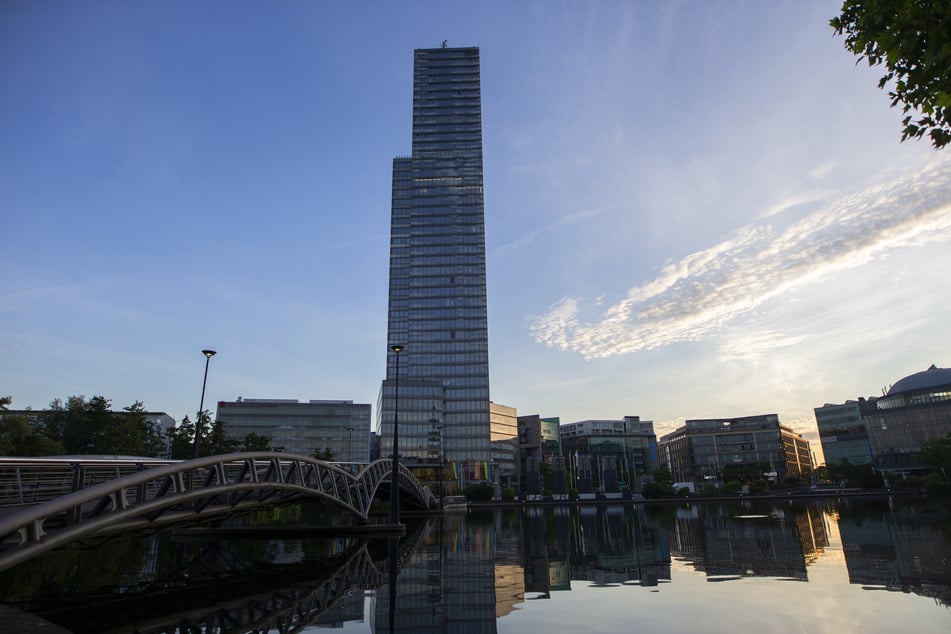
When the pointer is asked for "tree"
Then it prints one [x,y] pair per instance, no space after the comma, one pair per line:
[545,469]
[77,435]
[129,432]
[21,436]
[203,425]
[212,440]
[936,453]
[912,38]
[180,440]
[255,442]
[322,454]
[658,484]
[479,492]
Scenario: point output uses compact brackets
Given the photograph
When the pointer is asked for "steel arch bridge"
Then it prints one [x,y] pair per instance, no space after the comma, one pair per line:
[194,490]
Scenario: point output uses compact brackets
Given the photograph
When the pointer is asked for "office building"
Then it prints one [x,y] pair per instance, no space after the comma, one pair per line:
[915,409]
[505,463]
[342,427]
[539,442]
[619,452]
[437,294]
[721,449]
[843,432]
[887,431]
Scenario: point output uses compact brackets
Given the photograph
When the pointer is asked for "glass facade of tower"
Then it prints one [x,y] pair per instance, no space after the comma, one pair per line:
[437,295]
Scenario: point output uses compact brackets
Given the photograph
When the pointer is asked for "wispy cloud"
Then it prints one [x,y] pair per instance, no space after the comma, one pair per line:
[693,298]
[558,225]
[792,202]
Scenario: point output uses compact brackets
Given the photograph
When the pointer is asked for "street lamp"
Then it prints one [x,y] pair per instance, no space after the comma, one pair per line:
[349,444]
[201,408]
[437,431]
[394,477]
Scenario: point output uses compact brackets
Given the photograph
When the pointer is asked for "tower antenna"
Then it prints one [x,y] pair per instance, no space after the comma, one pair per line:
[445,43]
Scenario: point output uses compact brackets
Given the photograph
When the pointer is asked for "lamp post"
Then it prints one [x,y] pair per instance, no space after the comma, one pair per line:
[437,429]
[349,444]
[394,476]
[201,408]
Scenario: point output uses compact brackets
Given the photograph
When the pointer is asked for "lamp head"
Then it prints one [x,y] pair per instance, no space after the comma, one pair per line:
[397,348]
[208,353]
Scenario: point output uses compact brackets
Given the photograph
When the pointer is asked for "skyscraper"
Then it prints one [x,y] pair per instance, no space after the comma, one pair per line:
[437,296]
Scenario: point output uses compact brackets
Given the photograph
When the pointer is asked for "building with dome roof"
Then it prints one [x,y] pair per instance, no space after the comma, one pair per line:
[915,409]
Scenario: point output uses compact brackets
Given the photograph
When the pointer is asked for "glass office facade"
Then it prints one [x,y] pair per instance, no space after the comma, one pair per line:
[623,450]
[342,427]
[843,432]
[437,296]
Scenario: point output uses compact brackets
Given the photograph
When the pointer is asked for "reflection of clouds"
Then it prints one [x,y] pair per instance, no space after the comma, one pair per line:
[692,298]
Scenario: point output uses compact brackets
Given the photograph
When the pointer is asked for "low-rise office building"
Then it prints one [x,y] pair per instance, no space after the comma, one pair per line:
[843,431]
[539,442]
[503,425]
[712,450]
[611,454]
[342,427]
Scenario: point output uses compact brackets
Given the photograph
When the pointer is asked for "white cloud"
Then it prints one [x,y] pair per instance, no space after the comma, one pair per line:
[822,170]
[695,297]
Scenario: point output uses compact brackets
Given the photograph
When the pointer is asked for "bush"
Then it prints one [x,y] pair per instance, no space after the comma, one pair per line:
[654,490]
[871,480]
[479,492]
[732,486]
[508,494]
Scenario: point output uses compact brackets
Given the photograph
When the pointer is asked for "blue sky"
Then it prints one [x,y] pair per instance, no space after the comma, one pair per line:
[692,209]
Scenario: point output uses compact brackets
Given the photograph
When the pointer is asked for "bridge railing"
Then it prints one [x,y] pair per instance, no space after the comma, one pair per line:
[29,481]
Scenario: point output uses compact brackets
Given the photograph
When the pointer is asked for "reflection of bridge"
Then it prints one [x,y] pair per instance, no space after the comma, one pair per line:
[191,491]
[220,590]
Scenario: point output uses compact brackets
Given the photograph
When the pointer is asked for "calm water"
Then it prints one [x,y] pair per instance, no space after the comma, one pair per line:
[807,566]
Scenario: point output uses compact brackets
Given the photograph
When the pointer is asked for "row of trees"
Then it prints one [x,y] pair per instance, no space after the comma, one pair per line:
[89,427]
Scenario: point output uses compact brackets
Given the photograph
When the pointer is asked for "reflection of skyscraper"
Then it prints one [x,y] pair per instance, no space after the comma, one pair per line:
[447,584]
[615,545]
[437,297]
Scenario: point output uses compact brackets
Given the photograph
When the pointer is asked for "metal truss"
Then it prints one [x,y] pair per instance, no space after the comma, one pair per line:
[193,490]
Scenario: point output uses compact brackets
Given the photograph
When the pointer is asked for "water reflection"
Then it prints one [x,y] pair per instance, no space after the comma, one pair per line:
[903,550]
[471,573]
[730,542]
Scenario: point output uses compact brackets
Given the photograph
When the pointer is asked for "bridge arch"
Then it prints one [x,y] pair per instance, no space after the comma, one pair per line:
[193,490]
